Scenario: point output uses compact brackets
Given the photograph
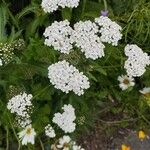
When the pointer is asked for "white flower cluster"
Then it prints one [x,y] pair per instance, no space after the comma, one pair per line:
[66,143]
[58,35]
[109,30]
[66,120]
[6,53]
[7,50]
[21,105]
[23,121]
[49,5]
[137,60]
[85,37]
[52,5]
[67,78]
[76,147]
[49,131]
[19,44]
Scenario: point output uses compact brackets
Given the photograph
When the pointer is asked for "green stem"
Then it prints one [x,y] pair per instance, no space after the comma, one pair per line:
[42,146]
[141,115]
[118,121]
[41,92]
[105,4]
[83,8]
[14,132]
[7,138]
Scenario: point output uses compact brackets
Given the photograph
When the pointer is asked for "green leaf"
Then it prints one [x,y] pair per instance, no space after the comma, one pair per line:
[91,76]
[33,26]
[3,21]
[26,11]
[102,71]
[92,9]
[67,13]
[14,35]
[45,110]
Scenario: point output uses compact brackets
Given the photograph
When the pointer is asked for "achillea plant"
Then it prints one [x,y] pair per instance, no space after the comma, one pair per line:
[64,64]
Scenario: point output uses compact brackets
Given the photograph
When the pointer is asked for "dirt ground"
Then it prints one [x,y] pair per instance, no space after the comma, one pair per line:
[98,140]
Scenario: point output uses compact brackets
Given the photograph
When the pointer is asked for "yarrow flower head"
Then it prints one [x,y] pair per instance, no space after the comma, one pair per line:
[85,37]
[27,135]
[19,44]
[69,3]
[76,147]
[110,31]
[81,120]
[125,82]
[66,120]
[49,131]
[6,52]
[52,5]
[21,106]
[145,91]
[137,60]
[49,5]
[67,78]
[23,121]
[66,143]
[58,35]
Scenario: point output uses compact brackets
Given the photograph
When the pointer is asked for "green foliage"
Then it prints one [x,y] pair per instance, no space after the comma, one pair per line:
[28,69]
[3,21]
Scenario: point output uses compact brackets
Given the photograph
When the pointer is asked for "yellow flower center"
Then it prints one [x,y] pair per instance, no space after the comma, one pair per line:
[142,135]
[28,131]
[147,94]
[66,145]
[126,81]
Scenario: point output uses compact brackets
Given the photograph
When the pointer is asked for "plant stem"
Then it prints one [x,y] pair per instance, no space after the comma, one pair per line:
[118,121]
[7,138]
[14,132]
[83,8]
[141,115]
[105,4]
[41,92]
[42,146]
